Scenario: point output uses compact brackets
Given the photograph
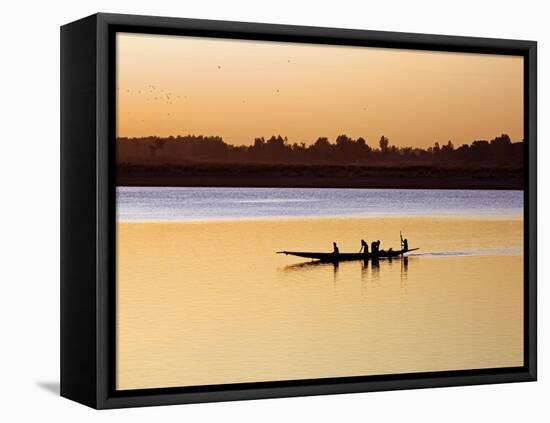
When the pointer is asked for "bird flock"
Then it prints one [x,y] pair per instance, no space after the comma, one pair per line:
[155,94]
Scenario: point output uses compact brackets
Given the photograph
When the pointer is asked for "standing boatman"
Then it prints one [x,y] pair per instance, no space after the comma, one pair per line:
[373,246]
[364,247]
[404,242]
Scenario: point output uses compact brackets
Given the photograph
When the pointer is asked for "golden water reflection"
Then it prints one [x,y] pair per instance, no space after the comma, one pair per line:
[211,302]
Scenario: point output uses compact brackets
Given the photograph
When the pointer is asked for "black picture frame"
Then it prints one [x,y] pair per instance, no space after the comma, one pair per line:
[88,210]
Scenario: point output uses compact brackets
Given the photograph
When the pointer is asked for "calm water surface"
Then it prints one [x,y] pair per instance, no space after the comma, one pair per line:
[146,203]
[203,298]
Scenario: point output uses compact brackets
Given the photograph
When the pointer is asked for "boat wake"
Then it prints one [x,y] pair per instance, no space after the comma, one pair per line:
[499,251]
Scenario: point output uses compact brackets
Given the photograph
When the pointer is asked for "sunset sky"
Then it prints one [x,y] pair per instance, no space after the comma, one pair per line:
[239,90]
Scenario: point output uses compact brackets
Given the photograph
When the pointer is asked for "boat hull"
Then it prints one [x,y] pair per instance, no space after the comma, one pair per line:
[332,257]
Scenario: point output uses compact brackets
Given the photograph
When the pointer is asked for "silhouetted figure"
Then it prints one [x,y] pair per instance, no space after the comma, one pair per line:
[364,247]
[378,246]
[404,242]
[336,250]
[373,247]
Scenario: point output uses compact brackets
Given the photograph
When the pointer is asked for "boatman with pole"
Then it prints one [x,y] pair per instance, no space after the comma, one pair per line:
[404,242]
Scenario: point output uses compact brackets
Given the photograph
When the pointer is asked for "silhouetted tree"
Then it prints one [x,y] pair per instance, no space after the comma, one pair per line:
[500,151]
[384,143]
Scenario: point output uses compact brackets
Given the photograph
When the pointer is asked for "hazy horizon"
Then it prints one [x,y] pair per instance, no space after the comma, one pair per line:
[240,90]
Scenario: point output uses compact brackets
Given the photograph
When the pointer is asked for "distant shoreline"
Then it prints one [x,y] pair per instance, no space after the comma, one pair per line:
[319,176]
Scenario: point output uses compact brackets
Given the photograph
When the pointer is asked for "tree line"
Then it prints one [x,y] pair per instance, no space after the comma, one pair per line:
[500,151]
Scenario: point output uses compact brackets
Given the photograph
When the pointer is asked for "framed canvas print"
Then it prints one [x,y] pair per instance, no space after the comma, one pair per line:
[256,211]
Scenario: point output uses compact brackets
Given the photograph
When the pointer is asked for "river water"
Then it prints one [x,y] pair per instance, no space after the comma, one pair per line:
[203,298]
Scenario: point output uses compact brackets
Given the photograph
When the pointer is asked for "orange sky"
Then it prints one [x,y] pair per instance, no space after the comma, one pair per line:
[239,90]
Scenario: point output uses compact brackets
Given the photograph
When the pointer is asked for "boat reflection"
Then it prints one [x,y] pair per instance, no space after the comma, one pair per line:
[404,269]
[370,269]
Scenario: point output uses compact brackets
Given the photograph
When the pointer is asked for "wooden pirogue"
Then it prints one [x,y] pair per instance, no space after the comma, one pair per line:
[334,257]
